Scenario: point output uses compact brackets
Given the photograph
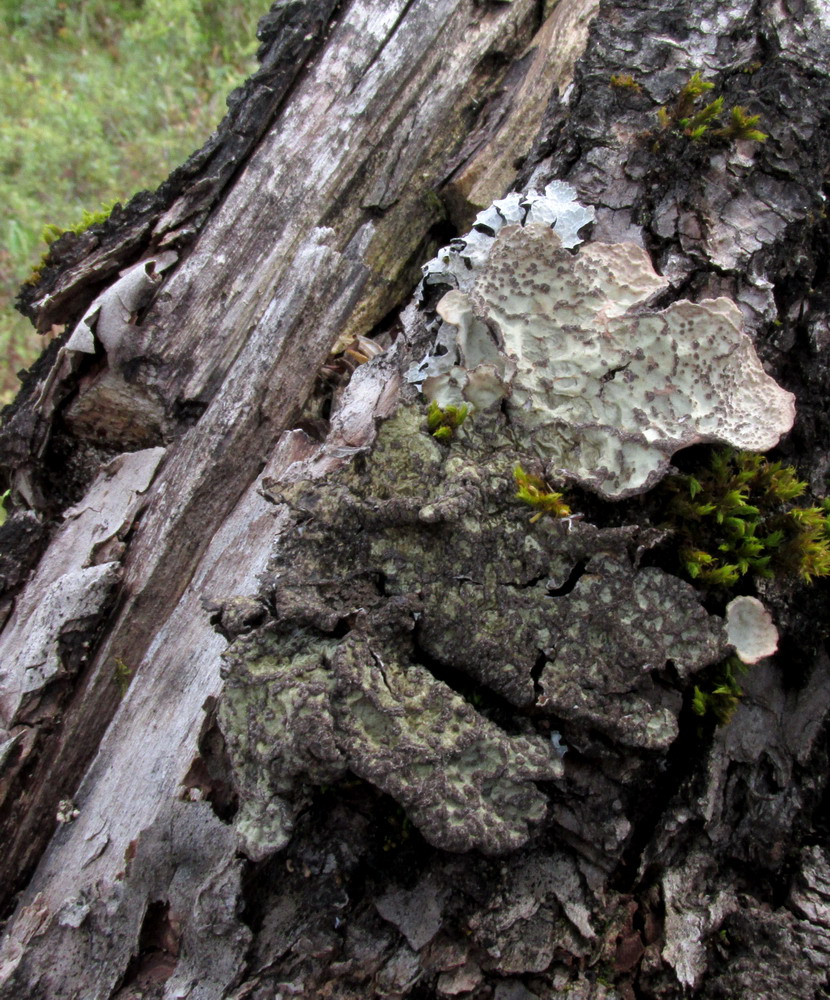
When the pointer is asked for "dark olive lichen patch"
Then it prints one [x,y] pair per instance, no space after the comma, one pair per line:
[421,559]
[301,706]
[617,628]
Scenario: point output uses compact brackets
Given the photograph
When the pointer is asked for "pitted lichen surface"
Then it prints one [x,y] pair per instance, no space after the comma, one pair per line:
[618,626]
[305,707]
[460,262]
[603,389]
[407,585]
[289,737]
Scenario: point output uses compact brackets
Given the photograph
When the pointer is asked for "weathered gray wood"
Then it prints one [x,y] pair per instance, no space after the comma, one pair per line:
[72,582]
[323,220]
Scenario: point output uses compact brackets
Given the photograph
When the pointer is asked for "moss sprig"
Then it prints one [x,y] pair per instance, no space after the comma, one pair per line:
[697,121]
[443,423]
[698,124]
[684,105]
[535,492]
[625,81]
[741,126]
[736,516]
[122,675]
[719,694]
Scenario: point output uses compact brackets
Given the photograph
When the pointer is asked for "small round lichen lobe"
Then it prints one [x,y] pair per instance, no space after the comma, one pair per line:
[750,629]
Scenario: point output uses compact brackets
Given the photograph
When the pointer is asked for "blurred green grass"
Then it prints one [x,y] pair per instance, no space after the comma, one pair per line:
[99,100]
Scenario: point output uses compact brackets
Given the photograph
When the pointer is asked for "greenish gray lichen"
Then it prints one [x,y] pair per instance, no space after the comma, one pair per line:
[322,707]
[394,575]
[621,628]
[602,388]
[288,736]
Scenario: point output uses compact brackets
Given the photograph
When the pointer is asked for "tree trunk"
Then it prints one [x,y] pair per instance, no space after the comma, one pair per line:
[256,617]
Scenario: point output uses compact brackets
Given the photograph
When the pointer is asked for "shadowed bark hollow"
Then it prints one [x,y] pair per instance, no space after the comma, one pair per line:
[285,681]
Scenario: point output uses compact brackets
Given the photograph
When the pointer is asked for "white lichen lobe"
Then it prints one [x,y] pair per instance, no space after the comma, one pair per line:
[750,629]
[603,388]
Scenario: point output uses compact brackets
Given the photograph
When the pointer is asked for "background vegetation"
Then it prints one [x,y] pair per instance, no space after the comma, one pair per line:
[99,99]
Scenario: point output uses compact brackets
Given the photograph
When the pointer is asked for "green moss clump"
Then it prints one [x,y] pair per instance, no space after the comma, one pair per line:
[535,491]
[719,693]
[735,517]
[687,117]
[51,232]
[443,423]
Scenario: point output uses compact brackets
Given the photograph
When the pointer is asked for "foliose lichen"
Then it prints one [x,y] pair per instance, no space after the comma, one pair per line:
[406,583]
[749,629]
[322,707]
[422,632]
[458,264]
[602,388]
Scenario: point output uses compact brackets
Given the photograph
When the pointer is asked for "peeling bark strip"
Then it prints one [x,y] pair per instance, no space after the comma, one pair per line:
[657,860]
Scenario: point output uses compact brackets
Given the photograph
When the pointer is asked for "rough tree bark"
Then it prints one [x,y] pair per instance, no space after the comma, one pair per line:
[152,513]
